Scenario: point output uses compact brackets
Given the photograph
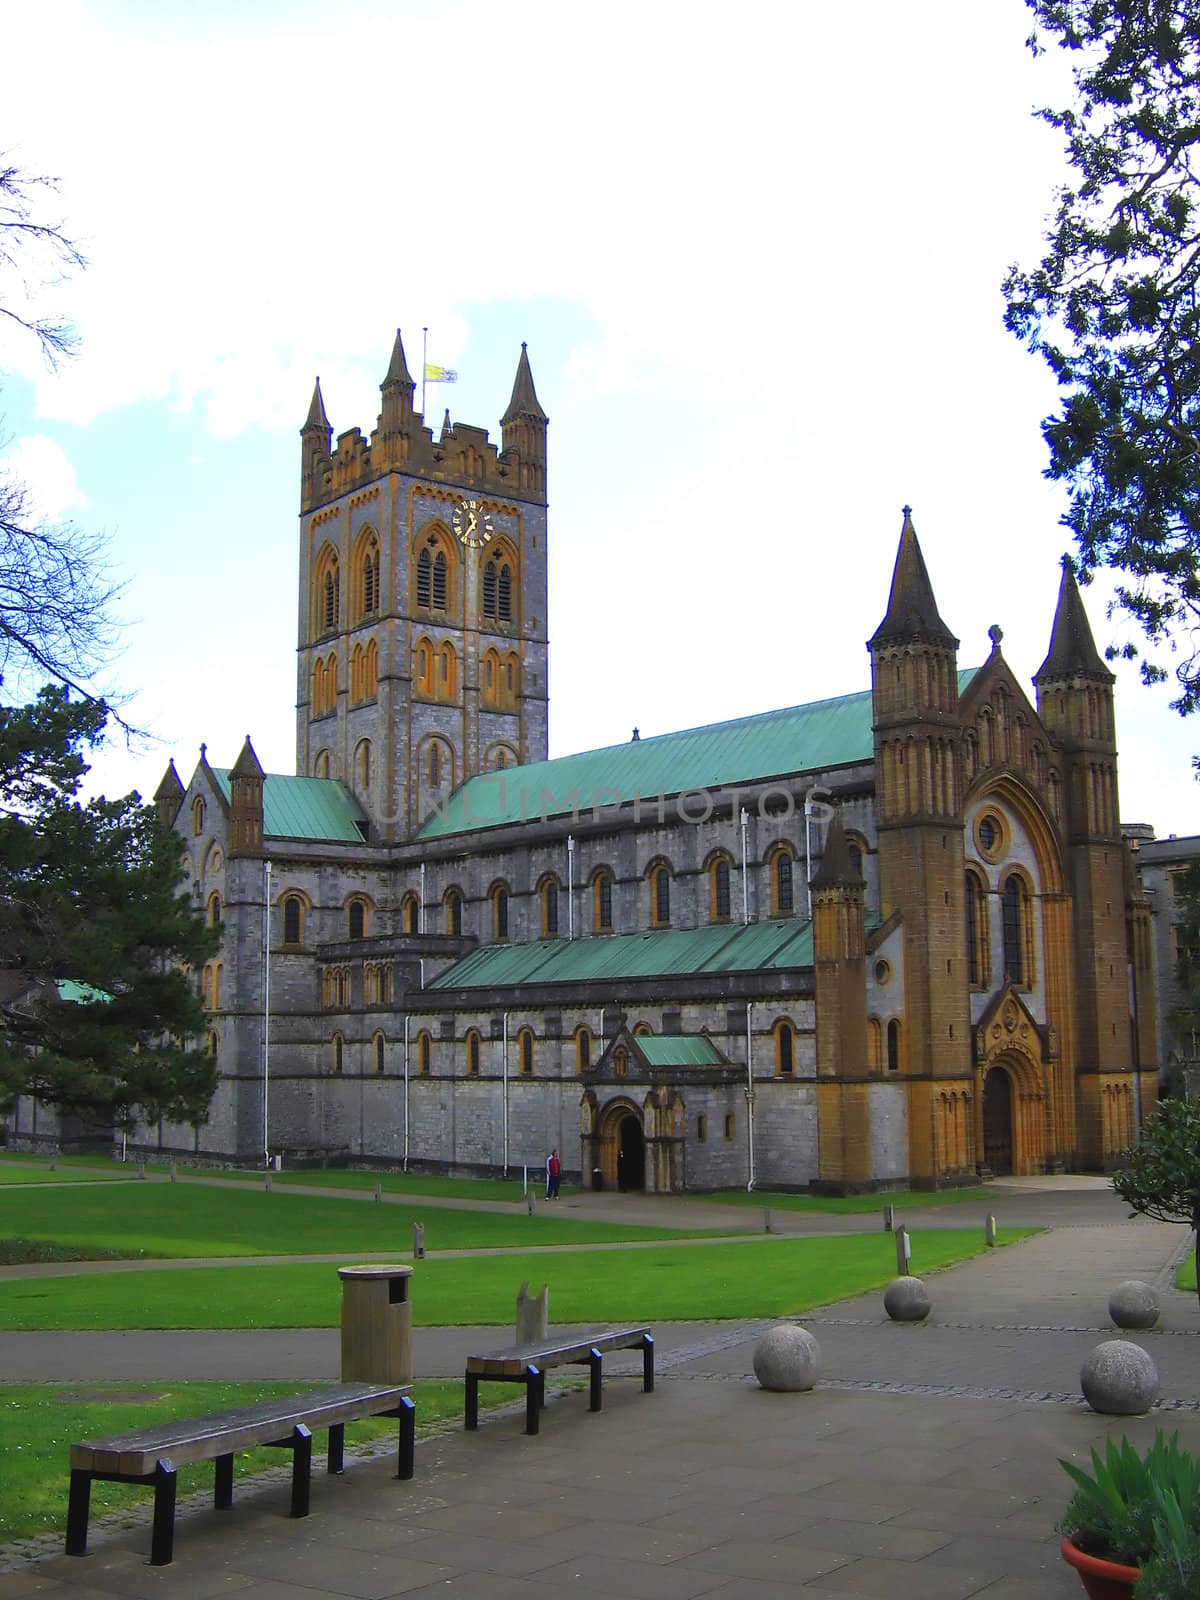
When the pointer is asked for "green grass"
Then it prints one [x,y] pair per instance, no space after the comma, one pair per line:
[25,1252]
[14,1172]
[1186,1276]
[193,1220]
[759,1278]
[41,1421]
[851,1204]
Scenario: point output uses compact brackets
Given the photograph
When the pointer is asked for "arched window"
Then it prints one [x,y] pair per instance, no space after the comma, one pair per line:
[979,956]
[424,579]
[338,1052]
[489,589]
[439,581]
[491,677]
[370,683]
[854,851]
[211,1045]
[423,669]
[602,898]
[424,1053]
[435,574]
[549,899]
[893,1046]
[473,1053]
[718,890]
[198,814]
[783,896]
[504,599]
[499,899]
[356,919]
[379,1048]
[1018,962]
[454,907]
[356,674]
[293,919]
[785,1049]
[331,682]
[660,895]
[214,910]
[874,1044]
[362,764]
[318,687]
[366,575]
[621,1061]
[498,583]
[410,913]
[206,986]
[435,765]
[525,1051]
[642,1030]
[583,1049]
[447,674]
[326,592]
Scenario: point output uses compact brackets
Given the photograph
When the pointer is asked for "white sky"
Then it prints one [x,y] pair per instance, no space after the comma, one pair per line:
[756,255]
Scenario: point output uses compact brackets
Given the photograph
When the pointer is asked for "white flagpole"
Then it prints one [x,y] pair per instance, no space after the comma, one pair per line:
[424,364]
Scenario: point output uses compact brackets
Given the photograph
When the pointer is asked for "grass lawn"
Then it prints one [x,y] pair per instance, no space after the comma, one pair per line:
[15,1172]
[851,1204]
[759,1278]
[1186,1276]
[47,1419]
[194,1220]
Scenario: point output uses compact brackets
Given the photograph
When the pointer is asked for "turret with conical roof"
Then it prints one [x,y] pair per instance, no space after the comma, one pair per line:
[397,390]
[315,438]
[524,428]
[168,797]
[246,780]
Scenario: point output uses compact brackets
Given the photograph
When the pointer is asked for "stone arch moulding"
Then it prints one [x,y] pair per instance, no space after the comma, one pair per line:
[607,1140]
[1008,1037]
[1006,791]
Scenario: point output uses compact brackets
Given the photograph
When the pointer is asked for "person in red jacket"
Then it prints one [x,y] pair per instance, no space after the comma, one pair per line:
[553,1175]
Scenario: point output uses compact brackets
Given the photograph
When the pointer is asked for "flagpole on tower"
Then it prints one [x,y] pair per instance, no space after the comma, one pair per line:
[424,364]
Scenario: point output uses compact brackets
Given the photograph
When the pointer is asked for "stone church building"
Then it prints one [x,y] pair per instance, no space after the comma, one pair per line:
[883,939]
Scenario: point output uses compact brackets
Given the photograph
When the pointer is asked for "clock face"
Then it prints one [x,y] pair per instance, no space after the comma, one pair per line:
[472,524]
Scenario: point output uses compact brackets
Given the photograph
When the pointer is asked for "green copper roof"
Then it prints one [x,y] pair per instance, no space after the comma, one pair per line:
[669,952]
[305,808]
[79,994]
[774,744]
[680,1050]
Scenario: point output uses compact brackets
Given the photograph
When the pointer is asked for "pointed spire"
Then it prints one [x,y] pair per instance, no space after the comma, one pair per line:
[447,430]
[170,788]
[912,611]
[836,866]
[524,402]
[1072,651]
[397,371]
[247,764]
[316,412]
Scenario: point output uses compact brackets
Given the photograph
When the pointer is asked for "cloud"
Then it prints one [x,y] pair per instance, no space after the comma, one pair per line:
[48,476]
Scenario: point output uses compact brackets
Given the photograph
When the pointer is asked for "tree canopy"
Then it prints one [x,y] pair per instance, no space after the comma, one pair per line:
[1114,308]
[1160,1177]
[100,1017]
[56,596]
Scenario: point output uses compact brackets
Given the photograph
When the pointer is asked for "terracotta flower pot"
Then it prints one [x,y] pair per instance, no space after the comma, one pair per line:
[1103,1580]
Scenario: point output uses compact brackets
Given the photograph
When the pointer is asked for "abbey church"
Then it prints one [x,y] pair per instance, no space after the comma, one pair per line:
[887,939]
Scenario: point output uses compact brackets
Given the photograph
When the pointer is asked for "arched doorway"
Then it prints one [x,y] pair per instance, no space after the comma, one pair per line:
[998,1122]
[631,1153]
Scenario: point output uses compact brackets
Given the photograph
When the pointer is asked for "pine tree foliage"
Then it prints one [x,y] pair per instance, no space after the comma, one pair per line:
[99,1015]
[1160,1177]
[1114,308]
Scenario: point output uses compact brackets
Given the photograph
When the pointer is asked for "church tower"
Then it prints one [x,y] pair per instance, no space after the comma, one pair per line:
[422,650]
[844,1160]
[1075,702]
[914,687]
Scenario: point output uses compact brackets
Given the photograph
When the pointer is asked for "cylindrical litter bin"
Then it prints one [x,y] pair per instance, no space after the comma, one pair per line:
[597,1178]
[376,1324]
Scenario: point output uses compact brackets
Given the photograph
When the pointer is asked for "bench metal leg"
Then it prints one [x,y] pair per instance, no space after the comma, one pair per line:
[408,1438]
[535,1397]
[78,1506]
[162,1537]
[647,1364]
[471,1408]
[223,1483]
[335,1461]
[596,1388]
[301,1443]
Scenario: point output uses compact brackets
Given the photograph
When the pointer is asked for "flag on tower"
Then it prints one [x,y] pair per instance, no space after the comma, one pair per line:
[439,374]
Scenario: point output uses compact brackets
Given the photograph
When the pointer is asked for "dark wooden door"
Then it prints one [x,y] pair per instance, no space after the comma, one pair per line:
[997,1122]
[631,1155]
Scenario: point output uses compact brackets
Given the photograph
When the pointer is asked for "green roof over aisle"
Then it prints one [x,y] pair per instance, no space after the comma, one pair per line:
[305,808]
[723,948]
[825,733]
[680,1050]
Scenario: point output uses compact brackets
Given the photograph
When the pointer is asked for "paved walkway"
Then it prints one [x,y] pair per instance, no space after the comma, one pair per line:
[925,1462]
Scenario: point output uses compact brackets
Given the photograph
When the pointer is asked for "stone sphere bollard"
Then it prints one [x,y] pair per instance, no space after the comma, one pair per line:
[906,1300]
[1133,1305]
[787,1358]
[1119,1379]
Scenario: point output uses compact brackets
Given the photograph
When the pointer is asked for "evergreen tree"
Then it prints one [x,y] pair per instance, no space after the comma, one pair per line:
[1161,1176]
[1114,308]
[100,1017]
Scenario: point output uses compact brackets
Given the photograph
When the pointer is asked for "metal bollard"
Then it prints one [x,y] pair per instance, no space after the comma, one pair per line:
[174,1174]
[379,1191]
[768,1220]
[418,1241]
[989,1232]
[903,1250]
[141,1169]
[267,1183]
[889,1219]
[530,1202]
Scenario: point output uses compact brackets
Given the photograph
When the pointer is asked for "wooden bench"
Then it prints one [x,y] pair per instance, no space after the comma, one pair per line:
[150,1456]
[527,1363]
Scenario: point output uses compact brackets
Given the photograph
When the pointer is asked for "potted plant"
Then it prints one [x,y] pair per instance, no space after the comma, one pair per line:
[1132,1527]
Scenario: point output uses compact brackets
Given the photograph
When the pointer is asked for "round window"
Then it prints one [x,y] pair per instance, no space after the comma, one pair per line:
[882,972]
[991,835]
